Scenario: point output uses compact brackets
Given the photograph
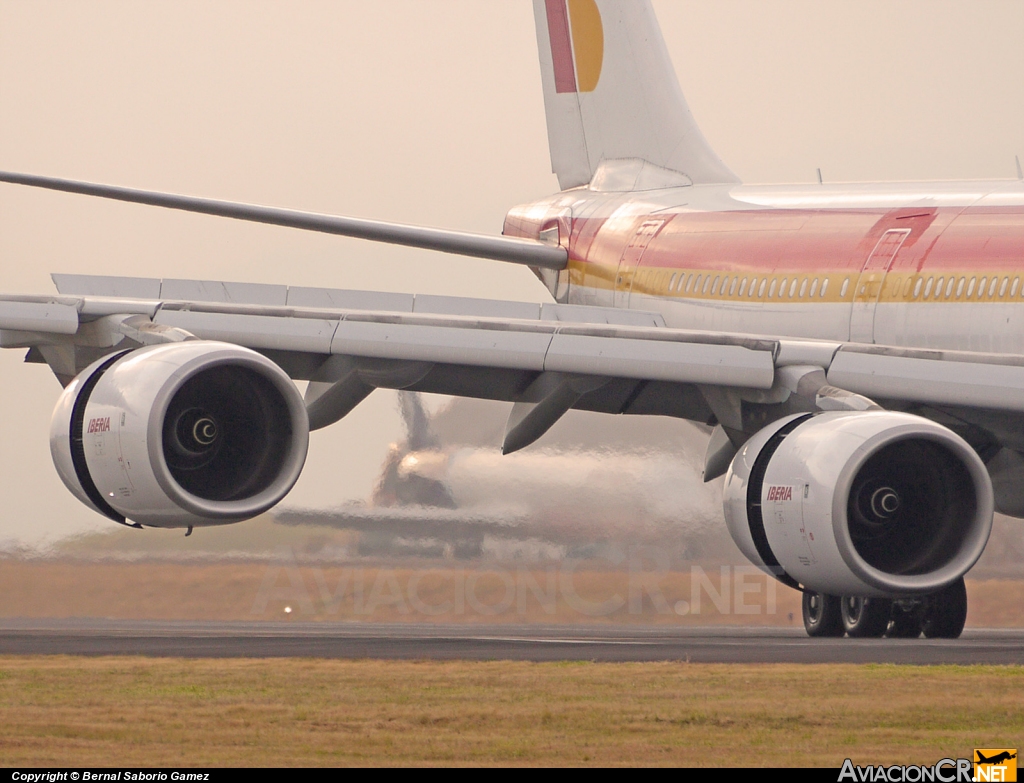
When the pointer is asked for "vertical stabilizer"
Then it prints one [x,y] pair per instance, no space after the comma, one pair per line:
[611,93]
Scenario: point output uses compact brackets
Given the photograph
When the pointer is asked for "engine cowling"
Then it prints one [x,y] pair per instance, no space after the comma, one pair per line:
[186,434]
[866,503]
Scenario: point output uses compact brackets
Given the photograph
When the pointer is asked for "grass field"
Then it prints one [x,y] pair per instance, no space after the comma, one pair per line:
[131,711]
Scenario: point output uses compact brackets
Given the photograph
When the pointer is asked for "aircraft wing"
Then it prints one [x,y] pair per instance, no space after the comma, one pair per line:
[547,358]
[500,248]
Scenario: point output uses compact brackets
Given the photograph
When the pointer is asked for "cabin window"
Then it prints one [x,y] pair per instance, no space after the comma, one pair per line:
[949,287]
[844,289]
[743,286]
[803,288]
[732,288]
[917,287]
[689,283]
[938,287]
[792,288]
[707,284]
[970,287]
[928,287]
[814,288]
[714,287]
[906,287]
[824,288]
[771,289]
[696,284]
[672,282]
[1013,287]
[981,287]
[760,291]
[992,287]
[1002,288]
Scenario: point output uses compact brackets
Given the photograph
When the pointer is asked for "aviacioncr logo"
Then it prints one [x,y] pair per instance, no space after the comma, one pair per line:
[577,44]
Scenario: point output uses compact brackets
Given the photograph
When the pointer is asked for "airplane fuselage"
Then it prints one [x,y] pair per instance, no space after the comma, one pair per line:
[924,265]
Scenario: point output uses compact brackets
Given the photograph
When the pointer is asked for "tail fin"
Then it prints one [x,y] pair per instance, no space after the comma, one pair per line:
[611,94]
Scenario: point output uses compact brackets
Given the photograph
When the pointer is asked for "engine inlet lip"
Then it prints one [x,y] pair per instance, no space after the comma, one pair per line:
[974,541]
[216,510]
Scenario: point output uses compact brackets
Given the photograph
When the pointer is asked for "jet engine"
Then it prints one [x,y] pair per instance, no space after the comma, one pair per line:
[180,435]
[860,503]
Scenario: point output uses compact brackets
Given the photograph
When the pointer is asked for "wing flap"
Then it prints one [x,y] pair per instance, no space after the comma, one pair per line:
[107,285]
[260,332]
[511,349]
[654,360]
[932,377]
[38,317]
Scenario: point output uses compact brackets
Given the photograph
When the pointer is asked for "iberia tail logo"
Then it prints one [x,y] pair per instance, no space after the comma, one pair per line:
[577,44]
[995,765]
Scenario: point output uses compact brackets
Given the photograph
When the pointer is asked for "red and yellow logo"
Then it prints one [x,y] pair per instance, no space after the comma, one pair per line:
[995,764]
[577,44]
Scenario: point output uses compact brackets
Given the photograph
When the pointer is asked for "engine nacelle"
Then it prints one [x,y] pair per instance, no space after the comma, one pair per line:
[187,434]
[867,503]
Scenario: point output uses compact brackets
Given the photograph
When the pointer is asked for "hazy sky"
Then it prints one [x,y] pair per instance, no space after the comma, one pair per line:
[424,111]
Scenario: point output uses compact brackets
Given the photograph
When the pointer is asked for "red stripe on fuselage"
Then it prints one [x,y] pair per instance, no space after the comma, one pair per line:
[561,46]
[761,241]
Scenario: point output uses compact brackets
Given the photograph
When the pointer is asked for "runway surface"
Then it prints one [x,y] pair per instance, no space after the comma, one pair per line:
[711,644]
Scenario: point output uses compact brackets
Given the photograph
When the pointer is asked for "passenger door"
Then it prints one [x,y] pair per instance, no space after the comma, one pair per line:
[632,257]
[870,282]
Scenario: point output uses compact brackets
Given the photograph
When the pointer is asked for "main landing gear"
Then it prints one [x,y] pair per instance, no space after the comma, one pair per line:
[940,615]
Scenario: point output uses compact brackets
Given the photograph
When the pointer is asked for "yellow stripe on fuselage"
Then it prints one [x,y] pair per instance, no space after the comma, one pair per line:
[800,287]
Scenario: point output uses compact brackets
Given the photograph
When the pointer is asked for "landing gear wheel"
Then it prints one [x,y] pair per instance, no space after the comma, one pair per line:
[865,618]
[822,615]
[946,612]
[906,621]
